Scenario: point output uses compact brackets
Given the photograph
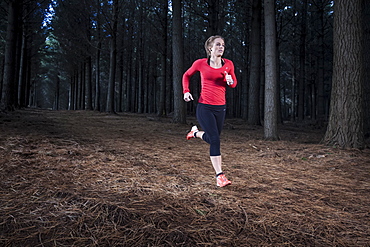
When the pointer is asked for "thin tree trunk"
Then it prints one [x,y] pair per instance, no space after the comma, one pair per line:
[366,62]
[8,95]
[140,68]
[22,71]
[78,89]
[163,59]
[255,65]
[112,73]
[97,78]
[57,92]
[302,63]
[89,105]
[179,106]
[120,81]
[321,113]
[270,120]
[28,77]
[70,94]
[97,98]
[112,60]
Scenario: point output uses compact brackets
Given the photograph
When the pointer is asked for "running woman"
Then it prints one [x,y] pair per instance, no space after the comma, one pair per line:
[216,74]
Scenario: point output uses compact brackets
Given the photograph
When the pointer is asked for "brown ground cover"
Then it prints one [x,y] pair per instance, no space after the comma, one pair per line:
[79,178]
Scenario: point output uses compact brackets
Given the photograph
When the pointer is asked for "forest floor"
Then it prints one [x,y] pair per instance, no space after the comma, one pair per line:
[81,178]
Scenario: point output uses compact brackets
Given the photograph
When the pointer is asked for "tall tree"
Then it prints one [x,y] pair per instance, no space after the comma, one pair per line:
[214,17]
[88,80]
[302,62]
[345,128]
[255,65]
[320,74]
[22,70]
[178,63]
[271,118]
[8,97]
[366,62]
[112,58]
[163,59]
[98,46]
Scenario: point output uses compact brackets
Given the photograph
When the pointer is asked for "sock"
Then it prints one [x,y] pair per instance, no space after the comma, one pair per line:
[195,129]
[219,174]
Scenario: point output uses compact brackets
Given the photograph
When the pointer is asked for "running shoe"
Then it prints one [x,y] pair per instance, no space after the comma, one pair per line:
[191,133]
[222,180]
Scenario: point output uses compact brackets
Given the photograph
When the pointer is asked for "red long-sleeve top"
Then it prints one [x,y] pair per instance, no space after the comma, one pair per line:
[213,81]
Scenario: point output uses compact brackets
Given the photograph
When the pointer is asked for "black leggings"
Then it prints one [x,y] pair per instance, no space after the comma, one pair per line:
[211,118]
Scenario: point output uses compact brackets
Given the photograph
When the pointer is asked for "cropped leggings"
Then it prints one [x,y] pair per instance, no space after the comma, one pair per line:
[211,118]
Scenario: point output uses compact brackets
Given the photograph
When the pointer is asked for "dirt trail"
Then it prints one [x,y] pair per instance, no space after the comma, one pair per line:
[77,178]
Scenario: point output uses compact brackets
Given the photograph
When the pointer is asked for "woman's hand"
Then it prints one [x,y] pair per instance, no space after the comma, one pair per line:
[188,97]
[229,79]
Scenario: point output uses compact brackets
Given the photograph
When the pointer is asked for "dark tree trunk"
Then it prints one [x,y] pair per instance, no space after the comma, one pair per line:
[302,63]
[215,18]
[57,93]
[97,78]
[112,60]
[270,119]
[366,62]
[255,65]
[8,96]
[89,105]
[22,71]
[179,106]
[163,62]
[345,128]
[321,106]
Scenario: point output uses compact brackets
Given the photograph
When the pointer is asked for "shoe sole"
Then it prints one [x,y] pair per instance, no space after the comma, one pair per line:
[224,185]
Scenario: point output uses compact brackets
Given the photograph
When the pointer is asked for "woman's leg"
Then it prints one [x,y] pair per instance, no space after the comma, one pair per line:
[217,164]
[208,119]
[211,120]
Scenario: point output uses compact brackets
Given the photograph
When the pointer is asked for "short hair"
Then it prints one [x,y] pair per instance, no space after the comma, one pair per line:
[209,41]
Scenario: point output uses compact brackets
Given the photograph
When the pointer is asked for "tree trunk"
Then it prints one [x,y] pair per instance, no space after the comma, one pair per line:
[366,62]
[177,46]
[140,61]
[76,82]
[302,63]
[215,18]
[22,71]
[321,109]
[97,78]
[88,84]
[57,93]
[345,128]
[28,81]
[270,120]
[163,58]
[120,79]
[255,65]
[8,95]
[70,95]
[78,89]
[112,60]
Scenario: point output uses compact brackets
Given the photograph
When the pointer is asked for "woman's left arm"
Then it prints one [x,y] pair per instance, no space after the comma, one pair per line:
[232,73]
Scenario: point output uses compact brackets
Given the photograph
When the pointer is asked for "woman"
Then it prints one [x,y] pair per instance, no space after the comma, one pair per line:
[216,74]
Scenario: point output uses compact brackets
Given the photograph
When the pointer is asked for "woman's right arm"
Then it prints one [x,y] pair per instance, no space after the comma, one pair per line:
[186,81]
[187,75]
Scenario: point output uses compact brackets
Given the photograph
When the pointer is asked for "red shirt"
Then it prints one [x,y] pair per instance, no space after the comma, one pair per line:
[213,81]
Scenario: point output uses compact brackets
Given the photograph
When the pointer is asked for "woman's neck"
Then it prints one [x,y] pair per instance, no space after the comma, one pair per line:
[215,62]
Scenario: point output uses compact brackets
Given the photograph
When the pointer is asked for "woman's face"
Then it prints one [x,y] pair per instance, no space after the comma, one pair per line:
[218,47]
